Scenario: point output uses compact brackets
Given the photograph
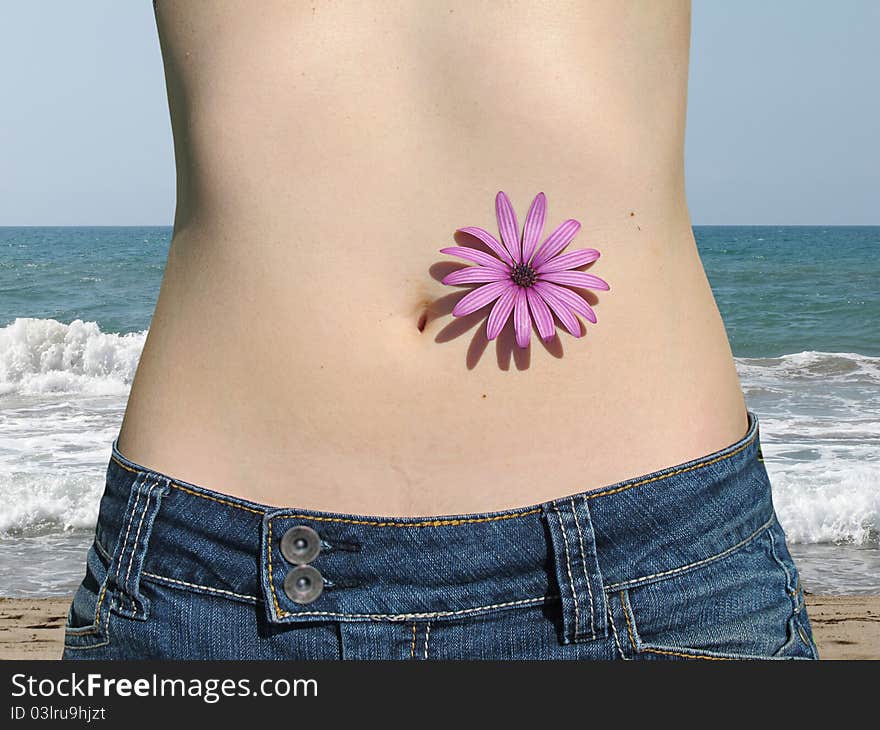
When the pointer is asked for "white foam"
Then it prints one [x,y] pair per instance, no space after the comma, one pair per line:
[35,502]
[47,356]
[820,431]
[812,364]
[827,501]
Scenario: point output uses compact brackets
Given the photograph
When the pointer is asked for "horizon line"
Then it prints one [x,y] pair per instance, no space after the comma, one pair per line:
[696,225]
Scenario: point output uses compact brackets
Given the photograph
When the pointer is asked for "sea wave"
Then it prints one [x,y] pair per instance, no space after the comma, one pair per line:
[813,365]
[48,502]
[835,502]
[48,356]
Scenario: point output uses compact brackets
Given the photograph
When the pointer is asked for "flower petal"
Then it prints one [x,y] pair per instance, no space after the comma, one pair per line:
[507,225]
[569,260]
[541,314]
[575,278]
[490,241]
[556,241]
[474,275]
[500,313]
[560,308]
[472,254]
[534,225]
[522,322]
[574,300]
[480,297]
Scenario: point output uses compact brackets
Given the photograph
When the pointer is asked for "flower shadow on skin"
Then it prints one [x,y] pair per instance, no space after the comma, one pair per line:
[505,343]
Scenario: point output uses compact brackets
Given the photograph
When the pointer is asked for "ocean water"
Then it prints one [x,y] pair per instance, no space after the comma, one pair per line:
[801,306]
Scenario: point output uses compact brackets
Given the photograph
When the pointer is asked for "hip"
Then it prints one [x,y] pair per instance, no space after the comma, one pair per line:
[686,562]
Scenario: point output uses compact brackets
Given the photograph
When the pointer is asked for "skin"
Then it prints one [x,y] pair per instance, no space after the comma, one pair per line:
[303,351]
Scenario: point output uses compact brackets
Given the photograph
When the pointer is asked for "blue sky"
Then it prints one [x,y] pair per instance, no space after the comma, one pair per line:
[783,116]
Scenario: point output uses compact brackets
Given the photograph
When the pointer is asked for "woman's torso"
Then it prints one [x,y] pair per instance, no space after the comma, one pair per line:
[303,350]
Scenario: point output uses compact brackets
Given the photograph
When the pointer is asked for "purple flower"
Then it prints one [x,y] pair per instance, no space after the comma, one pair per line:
[529,283]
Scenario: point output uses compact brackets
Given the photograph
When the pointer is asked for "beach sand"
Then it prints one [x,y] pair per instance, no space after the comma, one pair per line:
[845,627]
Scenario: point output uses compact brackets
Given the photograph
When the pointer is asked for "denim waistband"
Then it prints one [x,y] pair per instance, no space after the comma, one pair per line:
[571,550]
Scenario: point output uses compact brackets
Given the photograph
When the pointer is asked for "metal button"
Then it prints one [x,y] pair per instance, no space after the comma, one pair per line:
[300,545]
[303,584]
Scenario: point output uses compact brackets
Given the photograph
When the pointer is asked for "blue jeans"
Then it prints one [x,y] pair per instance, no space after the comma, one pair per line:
[688,562]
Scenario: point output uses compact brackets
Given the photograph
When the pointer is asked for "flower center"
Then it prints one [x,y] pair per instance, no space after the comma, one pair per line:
[523,275]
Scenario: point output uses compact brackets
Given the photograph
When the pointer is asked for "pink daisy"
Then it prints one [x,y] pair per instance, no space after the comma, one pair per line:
[521,280]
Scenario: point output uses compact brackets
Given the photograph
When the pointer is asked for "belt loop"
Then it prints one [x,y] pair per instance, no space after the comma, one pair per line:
[124,573]
[584,611]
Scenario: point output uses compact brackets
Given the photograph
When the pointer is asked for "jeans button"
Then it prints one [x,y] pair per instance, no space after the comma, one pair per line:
[303,584]
[300,545]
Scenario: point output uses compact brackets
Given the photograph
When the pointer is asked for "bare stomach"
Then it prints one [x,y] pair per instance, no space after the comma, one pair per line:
[326,394]
[303,350]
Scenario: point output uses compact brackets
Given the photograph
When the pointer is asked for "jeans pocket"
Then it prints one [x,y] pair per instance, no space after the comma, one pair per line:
[87,625]
[739,604]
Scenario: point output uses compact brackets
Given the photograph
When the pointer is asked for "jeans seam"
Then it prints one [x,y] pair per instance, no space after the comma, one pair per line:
[209,589]
[614,629]
[389,616]
[124,547]
[650,650]
[796,604]
[682,470]
[137,536]
[440,522]
[568,569]
[577,524]
[95,628]
[426,614]
[634,582]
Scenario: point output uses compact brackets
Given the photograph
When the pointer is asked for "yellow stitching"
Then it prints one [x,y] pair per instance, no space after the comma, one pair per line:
[190,491]
[215,499]
[628,626]
[614,631]
[426,523]
[584,561]
[660,651]
[577,623]
[412,646]
[93,629]
[271,582]
[690,656]
[428,631]
[673,473]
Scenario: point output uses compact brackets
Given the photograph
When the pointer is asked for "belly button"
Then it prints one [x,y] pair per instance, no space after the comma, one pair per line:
[422,310]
